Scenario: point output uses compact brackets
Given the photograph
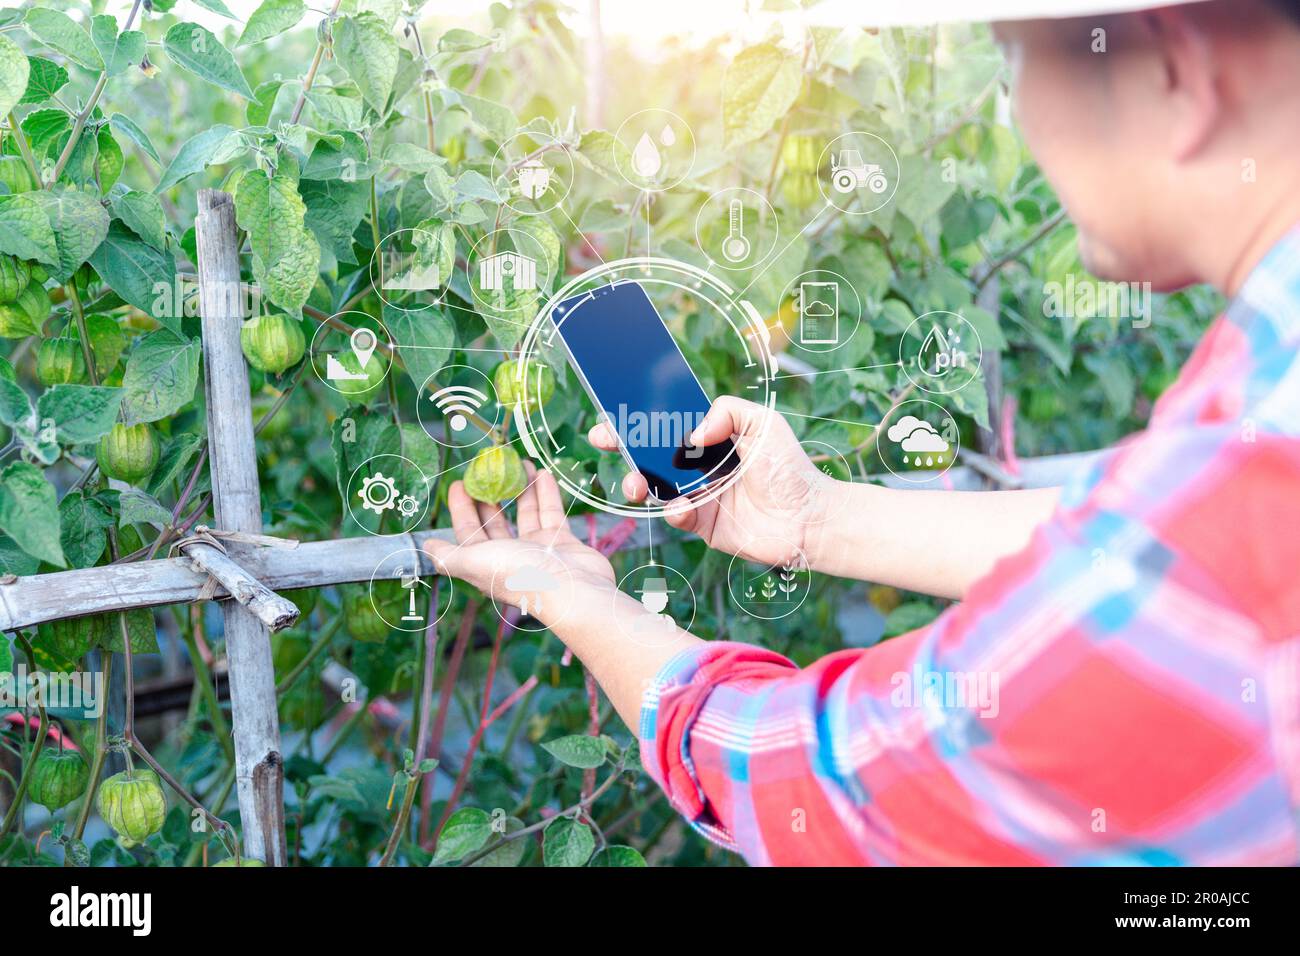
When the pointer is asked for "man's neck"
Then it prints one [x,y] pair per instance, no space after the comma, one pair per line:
[1249,231]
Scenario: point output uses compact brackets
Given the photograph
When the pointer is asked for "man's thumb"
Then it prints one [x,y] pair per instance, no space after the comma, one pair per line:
[728,416]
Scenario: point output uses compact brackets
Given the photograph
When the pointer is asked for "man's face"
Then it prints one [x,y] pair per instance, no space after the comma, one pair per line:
[1085,117]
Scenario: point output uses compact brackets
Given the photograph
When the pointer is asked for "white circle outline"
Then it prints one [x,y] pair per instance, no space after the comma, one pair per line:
[721,262]
[326,328]
[618,590]
[471,263]
[903,362]
[420,394]
[641,265]
[932,475]
[857,322]
[822,164]
[439,294]
[420,558]
[807,569]
[418,517]
[661,187]
[567,158]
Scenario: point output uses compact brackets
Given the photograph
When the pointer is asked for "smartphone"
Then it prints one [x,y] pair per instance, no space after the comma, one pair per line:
[639,380]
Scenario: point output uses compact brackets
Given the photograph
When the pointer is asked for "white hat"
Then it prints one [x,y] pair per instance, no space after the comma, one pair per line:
[901,13]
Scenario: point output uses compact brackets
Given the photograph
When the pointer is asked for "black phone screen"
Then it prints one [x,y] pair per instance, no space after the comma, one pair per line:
[640,381]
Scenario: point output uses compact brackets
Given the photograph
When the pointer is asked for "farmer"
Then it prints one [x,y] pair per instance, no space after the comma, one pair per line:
[1139,628]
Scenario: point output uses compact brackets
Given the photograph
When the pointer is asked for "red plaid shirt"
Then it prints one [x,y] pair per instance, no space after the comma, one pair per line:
[1124,690]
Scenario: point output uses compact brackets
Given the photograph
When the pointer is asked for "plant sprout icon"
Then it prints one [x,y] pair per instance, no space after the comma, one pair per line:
[784,582]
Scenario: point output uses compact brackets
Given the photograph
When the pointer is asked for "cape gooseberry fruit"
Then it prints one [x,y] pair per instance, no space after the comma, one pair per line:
[800,189]
[58,778]
[15,174]
[60,362]
[511,391]
[133,804]
[496,474]
[359,615]
[801,153]
[15,274]
[242,861]
[272,343]
[129,453]
[23,316]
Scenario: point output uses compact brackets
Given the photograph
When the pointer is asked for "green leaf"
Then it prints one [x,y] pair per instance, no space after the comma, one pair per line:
[6,655]
[347,159]
[922,189]
[137,507]
[60,32]
[195,155]
[119,51]
[143,214]
[465,831]
[507,854]
[140,629]
[195,49]
[272,18]
[14,73]
[601,152]
[462,41]
[44,79]
[216,6]
[82,524]
[160,376]
[79,223]
[567,842]
[258,111]
[334,210]
[577,750]
[128,128]
[760,86]
[80,413]
[423,339]
[499,122]
[133,267]
[15,406]
[411,158]
[286,256]
[25,229]
[618,856]
[908,617]
[176,455]
[367,50]
[29,512]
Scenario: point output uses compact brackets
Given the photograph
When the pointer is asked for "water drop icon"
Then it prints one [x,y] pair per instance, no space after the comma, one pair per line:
[667,136]
[646,159]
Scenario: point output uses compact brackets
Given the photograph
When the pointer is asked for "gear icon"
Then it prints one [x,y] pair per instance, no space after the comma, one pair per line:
[408,506]
[378,493]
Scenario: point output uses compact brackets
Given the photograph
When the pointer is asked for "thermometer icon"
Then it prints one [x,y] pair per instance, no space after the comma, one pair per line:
[735,248]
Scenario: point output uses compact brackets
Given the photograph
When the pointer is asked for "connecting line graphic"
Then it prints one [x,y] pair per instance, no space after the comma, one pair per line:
[594,250]
[822,418]
[828,371]
[768,264]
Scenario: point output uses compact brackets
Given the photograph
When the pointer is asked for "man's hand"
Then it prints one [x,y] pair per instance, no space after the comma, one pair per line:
[488,554]
[780,495]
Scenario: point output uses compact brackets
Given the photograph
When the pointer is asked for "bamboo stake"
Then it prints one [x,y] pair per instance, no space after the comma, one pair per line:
[259,767]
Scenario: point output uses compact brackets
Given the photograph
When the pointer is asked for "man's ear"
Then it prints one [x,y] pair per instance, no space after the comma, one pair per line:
[1191,77]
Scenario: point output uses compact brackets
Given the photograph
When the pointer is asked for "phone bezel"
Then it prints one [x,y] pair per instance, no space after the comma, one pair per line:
[595,400]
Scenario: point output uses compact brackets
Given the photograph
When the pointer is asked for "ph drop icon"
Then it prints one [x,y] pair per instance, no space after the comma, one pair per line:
[646,158]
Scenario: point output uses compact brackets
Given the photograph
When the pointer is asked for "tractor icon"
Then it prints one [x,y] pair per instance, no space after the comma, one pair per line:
[848,172]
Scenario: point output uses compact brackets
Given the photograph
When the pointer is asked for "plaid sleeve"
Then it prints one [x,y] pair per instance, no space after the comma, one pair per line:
[1124,690]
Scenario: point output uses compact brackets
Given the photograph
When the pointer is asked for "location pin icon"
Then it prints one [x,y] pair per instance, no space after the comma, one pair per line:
[363,346]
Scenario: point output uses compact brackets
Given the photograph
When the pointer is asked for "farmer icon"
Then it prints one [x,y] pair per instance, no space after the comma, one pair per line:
[654,595]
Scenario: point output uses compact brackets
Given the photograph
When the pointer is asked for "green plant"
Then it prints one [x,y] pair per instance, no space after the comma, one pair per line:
[113,124]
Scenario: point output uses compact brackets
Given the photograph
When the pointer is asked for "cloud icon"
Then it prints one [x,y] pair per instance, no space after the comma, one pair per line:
[924,440]
[916,435]
[530,579]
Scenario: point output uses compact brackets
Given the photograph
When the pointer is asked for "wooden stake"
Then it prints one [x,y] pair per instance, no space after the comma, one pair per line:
[259,767]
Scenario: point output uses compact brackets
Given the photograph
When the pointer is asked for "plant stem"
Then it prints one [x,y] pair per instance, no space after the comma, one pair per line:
[101,748]
[79,121]
[322,642]
[24,148]
[21,793]
[203,679]
[403,816]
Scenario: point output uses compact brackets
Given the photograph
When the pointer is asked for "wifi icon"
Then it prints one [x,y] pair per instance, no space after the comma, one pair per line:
[456,402]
